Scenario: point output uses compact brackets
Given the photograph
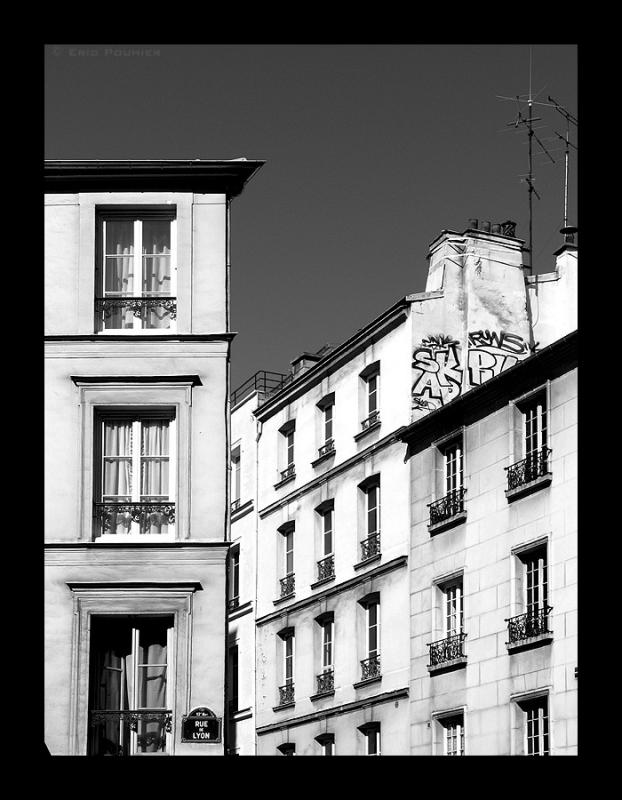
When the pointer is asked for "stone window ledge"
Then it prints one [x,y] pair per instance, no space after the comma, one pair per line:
[528,488]
[448,666]
[530,643]
[446,524]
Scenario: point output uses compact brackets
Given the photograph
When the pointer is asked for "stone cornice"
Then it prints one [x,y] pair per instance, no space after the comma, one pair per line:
[345,465]
[338,588]
[371,333]
[345,708]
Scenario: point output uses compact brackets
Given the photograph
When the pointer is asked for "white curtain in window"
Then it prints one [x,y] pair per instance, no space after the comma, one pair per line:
[117,471]
[154,482]
[156,269]
[119,268]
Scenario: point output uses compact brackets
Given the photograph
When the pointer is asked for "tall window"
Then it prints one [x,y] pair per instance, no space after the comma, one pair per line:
[129,701]
[328,423]
[535,726]
[327,646]
[289,551]
[372,394]
[536,581]
[535,424]
[373,629]
[135,475]
[370,384]
[235,478]
[287,581]
[373,509]
[453,612]
[453,467]
[369,517]
[286,454]
[288,659]
[136,270]
[327,532]
[453,735]
[289,450]
[234,577]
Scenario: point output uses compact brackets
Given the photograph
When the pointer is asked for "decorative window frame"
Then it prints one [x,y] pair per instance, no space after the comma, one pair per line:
[92,203]
[517,737]
[438,728]
[126,598]
[100,395]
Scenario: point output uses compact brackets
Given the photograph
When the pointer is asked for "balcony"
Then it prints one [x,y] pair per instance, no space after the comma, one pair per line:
[287,474]
[447,654]
[235,504]
[111,729]
[233,603]
[324,452]
[154,313]
[286,695]
[326,568]
[447,512]
[325,683]
[370,670]
[370,547]
[371,423]
[288,586]
[529,630]
[530,474]
[128,518]
[327,449]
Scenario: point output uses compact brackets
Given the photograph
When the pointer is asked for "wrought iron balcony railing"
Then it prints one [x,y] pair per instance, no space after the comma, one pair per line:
[326,568]
[370,547]
[372,419]
[288,472]
[326,682]
[235,504]
[286,694]
[117,517]
[524,626]
[447,649]
[534,466]
[370,668]
[233,603]
[106,306]
[150,725]
[288,585]
[447,507]
[325,449]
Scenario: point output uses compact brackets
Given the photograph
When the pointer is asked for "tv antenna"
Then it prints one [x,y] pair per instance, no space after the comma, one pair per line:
[567,230]
[527,122]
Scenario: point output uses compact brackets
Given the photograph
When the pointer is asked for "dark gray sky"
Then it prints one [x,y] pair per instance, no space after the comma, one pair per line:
[371,151]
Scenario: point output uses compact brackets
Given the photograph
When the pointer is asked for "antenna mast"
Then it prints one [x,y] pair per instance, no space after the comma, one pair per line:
[566,230]
[529,179]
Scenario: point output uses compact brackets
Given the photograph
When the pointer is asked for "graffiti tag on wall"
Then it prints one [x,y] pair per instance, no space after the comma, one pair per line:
[439,371]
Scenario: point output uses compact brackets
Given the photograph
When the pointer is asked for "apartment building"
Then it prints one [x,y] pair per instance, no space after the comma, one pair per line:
[137,450]
[367,511]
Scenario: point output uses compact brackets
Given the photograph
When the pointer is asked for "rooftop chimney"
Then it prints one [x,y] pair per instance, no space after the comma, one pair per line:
[304,363]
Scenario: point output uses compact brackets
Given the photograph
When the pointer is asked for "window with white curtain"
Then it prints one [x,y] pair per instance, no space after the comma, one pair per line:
[136,270]
[135,475]
[129,686]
